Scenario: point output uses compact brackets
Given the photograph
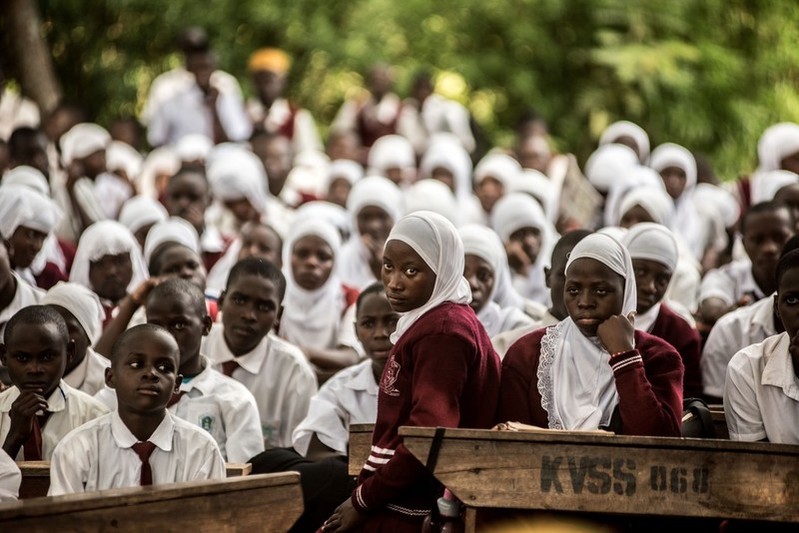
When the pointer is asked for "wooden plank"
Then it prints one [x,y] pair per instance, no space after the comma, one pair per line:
[360,446]
[36,476]
[568,471]
[720,422]
[267,502]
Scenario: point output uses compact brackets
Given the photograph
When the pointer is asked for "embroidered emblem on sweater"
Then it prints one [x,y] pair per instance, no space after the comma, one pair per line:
[390,378]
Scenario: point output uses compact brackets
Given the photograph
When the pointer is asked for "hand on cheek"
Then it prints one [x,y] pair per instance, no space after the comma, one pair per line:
[616,333]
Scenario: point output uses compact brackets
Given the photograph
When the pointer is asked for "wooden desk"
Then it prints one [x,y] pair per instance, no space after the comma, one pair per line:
[570,471]
[36,476]
[360,446]
[268,502]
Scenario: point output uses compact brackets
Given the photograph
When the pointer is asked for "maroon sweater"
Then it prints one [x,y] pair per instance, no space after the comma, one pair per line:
[648,380]
[673,329]
[443,371]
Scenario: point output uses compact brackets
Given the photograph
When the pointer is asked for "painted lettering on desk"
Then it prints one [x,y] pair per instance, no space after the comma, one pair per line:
[597,475]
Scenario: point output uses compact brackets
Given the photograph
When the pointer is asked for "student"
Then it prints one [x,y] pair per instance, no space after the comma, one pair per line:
[350,396]
[485,268]
[442,371]
[36,349]
[628,134]
[316,301]
[493,178]
[81,310]
[140,214]
[593,369]
[760,392]
[392,157]
[140,443]
[342,176]
[555,278]
[244,347]
[10,478]
[653,250]
[765,228]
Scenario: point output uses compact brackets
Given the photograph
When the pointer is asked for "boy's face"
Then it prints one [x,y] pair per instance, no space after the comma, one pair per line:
[77,335]
[110,276]
[183,320]
[375,322]
[764,235]
[651,280]
[36,357]
[182,262]
[249,308]
[144,373]
[187,197]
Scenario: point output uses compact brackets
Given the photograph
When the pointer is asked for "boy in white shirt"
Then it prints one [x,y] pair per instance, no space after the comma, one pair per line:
[140,443]
[244,347]
[40,409]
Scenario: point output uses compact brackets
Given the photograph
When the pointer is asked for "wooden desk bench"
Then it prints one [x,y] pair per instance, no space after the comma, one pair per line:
[572,471]
[268,502]
[36,476]
[360,446]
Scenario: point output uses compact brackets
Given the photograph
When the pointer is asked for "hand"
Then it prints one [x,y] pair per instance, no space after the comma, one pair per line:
[517,259]
[75,171]
[139,295]
[211,97]
[617,333]
[345,518]
[22,412]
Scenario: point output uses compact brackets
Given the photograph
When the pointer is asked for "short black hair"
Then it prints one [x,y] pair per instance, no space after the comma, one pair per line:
[22,143]
[375,288]
[567,242]
[764,207]
[36,315]
[179,288]
[154,266]
[255,266]
[787,262]
[128,334]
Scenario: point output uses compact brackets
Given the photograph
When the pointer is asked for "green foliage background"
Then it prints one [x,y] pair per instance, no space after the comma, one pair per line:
[708,74]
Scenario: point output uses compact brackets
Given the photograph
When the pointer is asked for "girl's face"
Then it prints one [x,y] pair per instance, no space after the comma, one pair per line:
[635,215]
[110,276]
[530,239]
[480,275]
[374,221]
[651,282]
[311,262]
[409,282]
[674,179]
[374,323]
[444,176]
[243,210]
[592,294]
[338,191]
[23,246]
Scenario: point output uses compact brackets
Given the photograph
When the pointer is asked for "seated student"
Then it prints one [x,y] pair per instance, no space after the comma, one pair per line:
[735,331]
[244,347]
[316,302]
[140,443]
[555,277]
[760,392]
[140,214]
[593,369]
[764,228]
[442,371]
[219,404]
[350,397]
[10,478]
[108,261]
[485,268]
[36,351]
[653,249]
[81,310]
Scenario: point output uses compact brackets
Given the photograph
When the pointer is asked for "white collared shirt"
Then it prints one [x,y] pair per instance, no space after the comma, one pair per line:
[220,405]
[10,478]
[70,408]
[349,397]
[730,282]
[761,393]
[733,332]
[277,374]
[99,456]
[89,375]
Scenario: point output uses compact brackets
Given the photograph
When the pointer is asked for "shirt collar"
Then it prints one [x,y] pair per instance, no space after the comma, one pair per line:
[161,437]
[202,381]
[58,399]
[763,314]
[363,379]
[251,361]
[778,370]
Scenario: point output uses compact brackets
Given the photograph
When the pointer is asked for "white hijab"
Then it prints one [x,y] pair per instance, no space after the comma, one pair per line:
[776,143]
[174,229]
[625,128]
[448,153]
[607,163]
[235,173]
[432,195]
[576,382]
[541,187]
[140,211]
[437,242]
[652,242]
[654,200]
[82,303]
[634,178]
[392,151]
[312,318]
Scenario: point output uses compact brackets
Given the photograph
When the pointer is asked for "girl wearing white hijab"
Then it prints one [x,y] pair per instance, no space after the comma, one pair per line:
[431,195]
[655,256]
[375,204]
[777,149]
[393,157]
[593,369]
[140,214]
[447,161]
[486,269]
[316,302]
[342,175]
[528,237]
[494,176]
[628,134]
[442,371]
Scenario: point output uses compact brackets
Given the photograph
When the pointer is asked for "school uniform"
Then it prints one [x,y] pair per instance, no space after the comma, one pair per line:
[278,376]
[730,283]
[349,397]
[731,333]
[89,375]
[675,330]
[218,404]
[10,478]
[286,119]
[99,456]
[68,408]
[761,393]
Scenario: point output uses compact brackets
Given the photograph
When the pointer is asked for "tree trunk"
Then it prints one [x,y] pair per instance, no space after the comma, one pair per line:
[31,54]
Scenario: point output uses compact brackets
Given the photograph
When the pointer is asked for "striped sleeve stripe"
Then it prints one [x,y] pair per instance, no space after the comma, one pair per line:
[369,467]
[378,460]
[627,362]
[382,451]
[359,497]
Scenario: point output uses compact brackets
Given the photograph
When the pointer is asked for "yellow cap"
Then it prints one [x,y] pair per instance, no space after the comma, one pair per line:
[271,59]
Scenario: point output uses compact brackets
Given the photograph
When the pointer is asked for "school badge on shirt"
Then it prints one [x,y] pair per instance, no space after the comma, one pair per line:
[206,422]
[390,376]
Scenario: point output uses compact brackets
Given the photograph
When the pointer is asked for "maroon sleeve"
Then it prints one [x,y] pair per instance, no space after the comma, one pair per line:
[691,352]
[441,365]
[519,381]
[649,383]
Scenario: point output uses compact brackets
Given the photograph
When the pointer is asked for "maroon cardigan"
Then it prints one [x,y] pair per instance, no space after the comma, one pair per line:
[649,386]
[673,329]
